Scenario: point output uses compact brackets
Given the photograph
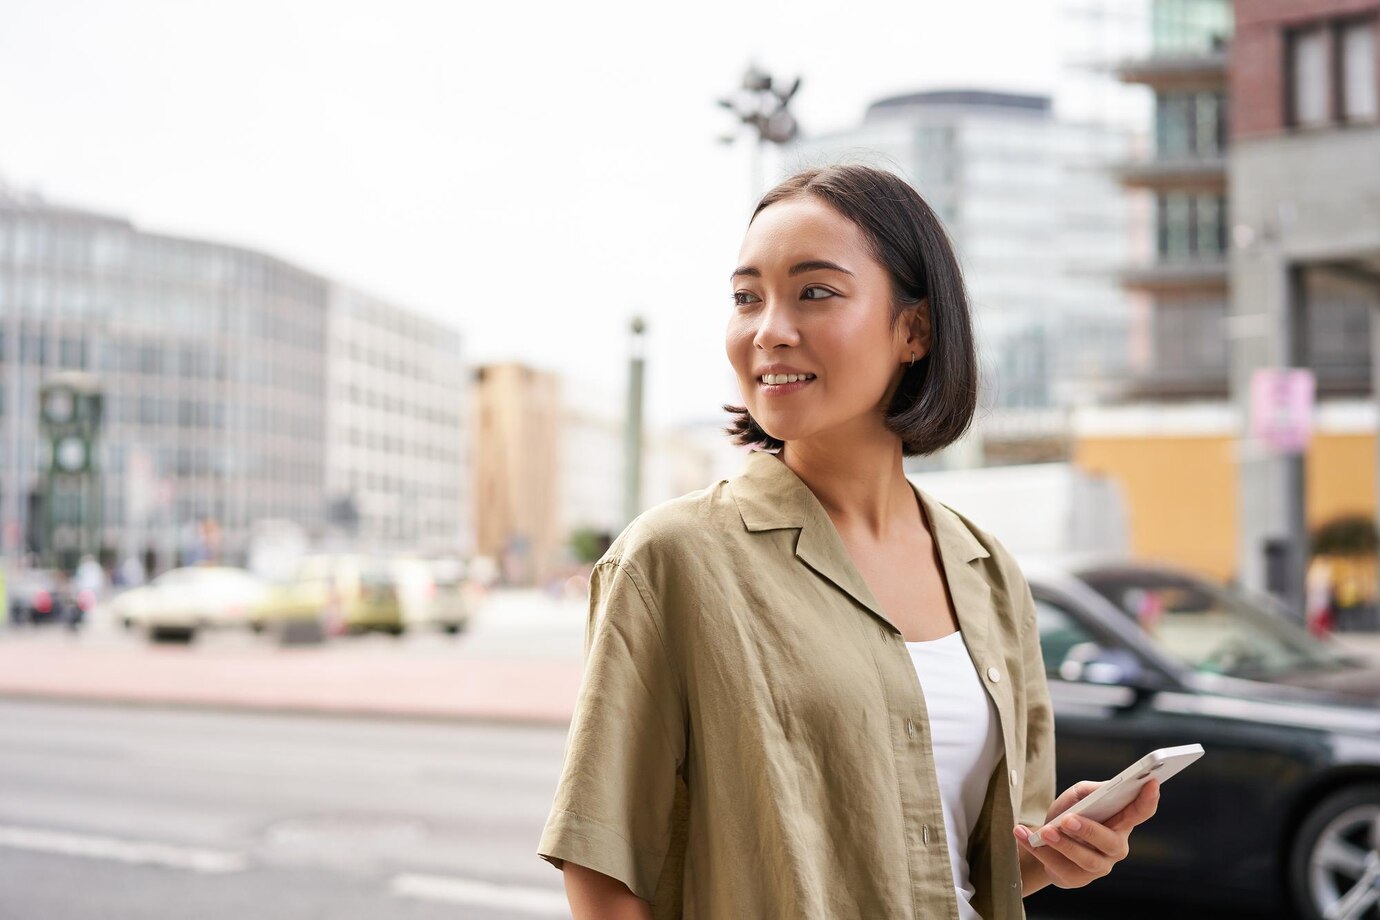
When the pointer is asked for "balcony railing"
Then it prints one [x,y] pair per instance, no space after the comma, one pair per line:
[1206,70]
[1176,174]
[1177,276]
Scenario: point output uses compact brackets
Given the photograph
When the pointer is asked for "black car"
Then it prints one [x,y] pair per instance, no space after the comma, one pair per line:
[46,596]
[1284,807]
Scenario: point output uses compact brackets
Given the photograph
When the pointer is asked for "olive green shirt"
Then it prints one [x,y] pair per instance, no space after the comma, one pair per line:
[750,739]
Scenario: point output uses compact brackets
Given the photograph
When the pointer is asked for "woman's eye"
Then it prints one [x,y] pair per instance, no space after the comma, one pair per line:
[815,287]
[739,295]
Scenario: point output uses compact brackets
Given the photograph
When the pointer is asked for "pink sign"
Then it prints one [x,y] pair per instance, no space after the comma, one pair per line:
[1282,408]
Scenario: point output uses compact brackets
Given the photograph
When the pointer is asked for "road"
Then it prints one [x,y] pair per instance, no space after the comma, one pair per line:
[112,812]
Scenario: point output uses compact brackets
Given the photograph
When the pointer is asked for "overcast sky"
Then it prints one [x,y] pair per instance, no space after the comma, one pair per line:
[531,173]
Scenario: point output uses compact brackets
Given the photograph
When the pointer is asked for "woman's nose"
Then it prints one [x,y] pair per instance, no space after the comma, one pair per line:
[775,326]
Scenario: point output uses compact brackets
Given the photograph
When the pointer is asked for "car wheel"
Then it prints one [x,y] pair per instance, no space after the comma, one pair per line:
[181,634]
[1334,867]
[301,632]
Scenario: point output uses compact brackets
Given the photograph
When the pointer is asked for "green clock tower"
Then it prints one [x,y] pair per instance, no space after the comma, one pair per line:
[72,505]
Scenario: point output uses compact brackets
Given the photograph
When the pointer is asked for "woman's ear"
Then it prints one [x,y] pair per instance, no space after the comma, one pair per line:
[919,340]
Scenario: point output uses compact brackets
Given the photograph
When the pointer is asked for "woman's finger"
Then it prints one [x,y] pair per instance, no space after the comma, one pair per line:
[1076,851]
[1139,810]
[1098,836]
[1061,871]
[1071,796]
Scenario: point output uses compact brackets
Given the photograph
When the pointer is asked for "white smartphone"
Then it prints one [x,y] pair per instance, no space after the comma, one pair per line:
[1122,789]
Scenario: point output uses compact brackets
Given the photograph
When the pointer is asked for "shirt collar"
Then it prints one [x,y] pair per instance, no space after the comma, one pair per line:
[770,496]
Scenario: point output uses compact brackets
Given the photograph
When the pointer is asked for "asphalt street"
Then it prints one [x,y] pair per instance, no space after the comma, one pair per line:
[114,812]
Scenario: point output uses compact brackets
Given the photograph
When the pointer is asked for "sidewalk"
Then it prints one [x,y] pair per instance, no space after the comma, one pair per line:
[323,680]
[519,662]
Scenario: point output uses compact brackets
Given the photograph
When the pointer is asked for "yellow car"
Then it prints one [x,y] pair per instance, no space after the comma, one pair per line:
[343,593]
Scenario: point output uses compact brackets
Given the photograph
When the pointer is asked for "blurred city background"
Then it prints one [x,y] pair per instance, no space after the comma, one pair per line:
[338,340]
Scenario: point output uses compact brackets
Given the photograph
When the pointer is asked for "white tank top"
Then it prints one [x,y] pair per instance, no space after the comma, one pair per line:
[967,745]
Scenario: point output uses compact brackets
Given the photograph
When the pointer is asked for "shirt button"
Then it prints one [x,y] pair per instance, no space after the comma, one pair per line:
[910,728]
[994,674]
[1013,777]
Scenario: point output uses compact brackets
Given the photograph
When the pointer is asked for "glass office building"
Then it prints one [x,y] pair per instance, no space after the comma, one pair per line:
[220,386]
[1037,225]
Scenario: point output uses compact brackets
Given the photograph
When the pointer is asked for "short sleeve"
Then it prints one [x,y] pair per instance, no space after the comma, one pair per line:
[1039,788]
[612,810]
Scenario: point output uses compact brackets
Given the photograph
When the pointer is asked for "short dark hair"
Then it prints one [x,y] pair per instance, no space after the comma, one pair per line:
[937,398]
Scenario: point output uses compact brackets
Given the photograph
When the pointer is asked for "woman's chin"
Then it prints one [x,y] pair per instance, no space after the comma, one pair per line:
[783,429]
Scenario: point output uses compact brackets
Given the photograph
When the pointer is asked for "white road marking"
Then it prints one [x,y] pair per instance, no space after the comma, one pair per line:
[128,851]
[542,901]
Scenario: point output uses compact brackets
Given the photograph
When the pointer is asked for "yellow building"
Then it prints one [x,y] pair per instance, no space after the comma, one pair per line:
[1177,466]
[518,423]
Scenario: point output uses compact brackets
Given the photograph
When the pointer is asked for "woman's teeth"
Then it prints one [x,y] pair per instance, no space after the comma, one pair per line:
[785,378]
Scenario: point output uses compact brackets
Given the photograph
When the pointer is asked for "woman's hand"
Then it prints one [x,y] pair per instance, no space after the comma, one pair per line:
[1078,850]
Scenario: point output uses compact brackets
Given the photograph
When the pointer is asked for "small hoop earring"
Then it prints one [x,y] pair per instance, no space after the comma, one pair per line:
[912,359]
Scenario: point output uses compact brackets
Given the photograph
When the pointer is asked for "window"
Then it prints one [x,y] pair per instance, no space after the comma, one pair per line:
[1358,71]
[33,349]
[1190,124]
[1308,83]
[1060,632]
[1210,230]
[1190,226]
[1210,128]
[72,353]
[1331,73]
[1190,26]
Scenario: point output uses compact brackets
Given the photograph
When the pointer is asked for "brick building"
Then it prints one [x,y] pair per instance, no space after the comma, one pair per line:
[1304,184]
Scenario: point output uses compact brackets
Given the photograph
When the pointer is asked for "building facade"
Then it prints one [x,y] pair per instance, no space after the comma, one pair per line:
[1183,352]
[397,456]
[1264,259]
[215,364]
[519,428]
[1038,229]
[1305,267]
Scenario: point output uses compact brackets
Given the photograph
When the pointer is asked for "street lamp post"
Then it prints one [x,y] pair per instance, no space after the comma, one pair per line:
[762,106]
[632,430]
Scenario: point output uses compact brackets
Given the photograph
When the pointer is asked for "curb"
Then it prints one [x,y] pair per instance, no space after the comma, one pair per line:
[292,710]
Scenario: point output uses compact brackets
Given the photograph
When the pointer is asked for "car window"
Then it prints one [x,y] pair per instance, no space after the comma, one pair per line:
[1059,632]
[175,578]
[1210,627]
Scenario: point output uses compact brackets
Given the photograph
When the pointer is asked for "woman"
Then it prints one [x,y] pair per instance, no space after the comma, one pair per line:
[812,690]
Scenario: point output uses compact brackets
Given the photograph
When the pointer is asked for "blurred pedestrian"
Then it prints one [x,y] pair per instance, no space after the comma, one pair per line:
[1320,595]
[89,576]
[131,571]
[813,690]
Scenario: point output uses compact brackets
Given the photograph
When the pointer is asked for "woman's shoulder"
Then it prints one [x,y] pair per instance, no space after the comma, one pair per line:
[684,527]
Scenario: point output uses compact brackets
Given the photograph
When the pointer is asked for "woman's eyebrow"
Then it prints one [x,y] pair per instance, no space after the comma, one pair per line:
[809,265]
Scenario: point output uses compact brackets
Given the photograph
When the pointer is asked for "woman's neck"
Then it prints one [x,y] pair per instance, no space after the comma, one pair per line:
[862,486]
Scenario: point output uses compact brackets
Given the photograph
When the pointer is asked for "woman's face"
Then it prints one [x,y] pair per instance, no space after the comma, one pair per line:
[809,295]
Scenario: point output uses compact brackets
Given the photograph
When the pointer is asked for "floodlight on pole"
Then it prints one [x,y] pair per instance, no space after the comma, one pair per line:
[764,106]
